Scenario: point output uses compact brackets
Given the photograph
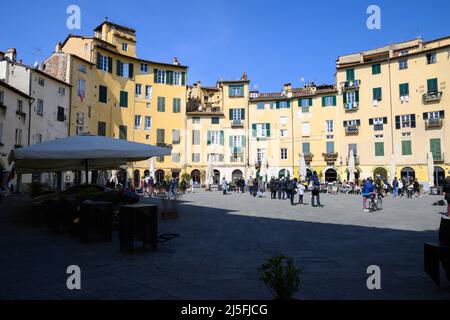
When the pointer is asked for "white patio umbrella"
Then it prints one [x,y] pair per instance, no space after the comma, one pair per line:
[302,167]
[152,168]
[392,168]
[351,166]
[114,177]
[83,152]
[431,169]
[263,169]
[101,180]
[209,172]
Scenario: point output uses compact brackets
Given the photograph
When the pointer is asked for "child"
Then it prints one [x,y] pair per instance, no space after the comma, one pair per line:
[301,192]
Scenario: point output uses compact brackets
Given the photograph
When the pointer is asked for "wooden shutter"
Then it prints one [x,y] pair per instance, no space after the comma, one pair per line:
[288,104]
[435,148]
[130,70]
[254,130]
[124,99]
[425,116]
[323,102]
[277,105]
[242,113]
[344,95]
[98,60]
[231,141]
[357,95]
[379,149]
[243,138]
[268,129]
[397,122]
[413,121]
[183,78]
[310,102]
[208,141]
[442,114]
[155,75]
[334,100]
[345,124]
[385,120]
[231,114]
[358,122]
[110,62]
[222,138]
[432,85]
[370,122]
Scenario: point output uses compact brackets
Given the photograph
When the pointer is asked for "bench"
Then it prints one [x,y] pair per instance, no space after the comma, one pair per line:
[438,253]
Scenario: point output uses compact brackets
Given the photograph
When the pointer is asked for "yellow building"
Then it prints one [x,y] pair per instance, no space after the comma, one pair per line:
[122,96]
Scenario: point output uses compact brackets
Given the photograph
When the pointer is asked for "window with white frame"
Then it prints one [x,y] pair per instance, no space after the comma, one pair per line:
[18,137]
[237,141]
[284,154]
[81,90]
[261,130]
[124,46]
[103,64]
[237,116]
[434,115]
[260,154]
[403,64]
[138,90]
[148,92]
[137,121]
[351,97]
[177,78]
[306,128]
[40,107]
[215,137]
[148,123]
[283,120]
[405,121]
[329,126]
[283,133]
[161,76]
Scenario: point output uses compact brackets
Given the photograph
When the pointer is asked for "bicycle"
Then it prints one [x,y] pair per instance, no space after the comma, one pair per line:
[375,202]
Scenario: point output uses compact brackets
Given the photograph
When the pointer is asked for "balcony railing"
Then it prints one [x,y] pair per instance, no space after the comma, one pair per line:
[350,85]
[351,130]
[438,157]
[356,160]
[237,158]
[351,106]
[237,123]
[330,156]
[433,123]
[432,96]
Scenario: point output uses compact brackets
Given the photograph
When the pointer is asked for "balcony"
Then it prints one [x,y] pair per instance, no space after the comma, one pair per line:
[351,106]
[350,85]
[438,158]
[351,130]
[22,114]
[237,123]
[356,160]
[196,108]
[237,158]
[433,124]
[432,96]
[330,156]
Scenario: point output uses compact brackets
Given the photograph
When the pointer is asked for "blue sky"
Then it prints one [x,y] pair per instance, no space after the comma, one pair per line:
[273,41]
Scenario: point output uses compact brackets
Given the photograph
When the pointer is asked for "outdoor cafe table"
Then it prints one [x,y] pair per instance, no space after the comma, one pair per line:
[138,222]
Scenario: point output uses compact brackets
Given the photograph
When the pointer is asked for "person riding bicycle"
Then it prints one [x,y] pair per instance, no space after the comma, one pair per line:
[367,192]
[379,186]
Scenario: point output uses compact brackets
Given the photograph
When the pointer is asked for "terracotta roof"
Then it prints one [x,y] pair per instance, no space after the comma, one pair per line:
[50,76]
[19,92]
[115,25]
[296,93]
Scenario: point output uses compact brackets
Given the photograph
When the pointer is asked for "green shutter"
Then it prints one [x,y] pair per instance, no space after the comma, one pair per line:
[243,138]
[357,95]
[324,102]
[379,149]
[110,63]
[334,100]
[376,68]
[310,103]
[277,105]
[169,77]
[404,89]
[118,65]
[432,85]
[242,113]
[435,148]
[124,99]
[155,75]
[231,114]
[183,78]
[288,104]
[345,97]
[130,70]
[222,138]
[377,94]
[209,138]
[406,148]
[230,141]
[254,130]
[350,74]
[268,129]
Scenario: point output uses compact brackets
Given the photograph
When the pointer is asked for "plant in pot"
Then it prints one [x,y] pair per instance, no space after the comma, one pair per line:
[170,204]
[281,276]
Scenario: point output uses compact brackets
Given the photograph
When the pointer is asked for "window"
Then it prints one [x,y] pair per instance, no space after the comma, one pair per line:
[80,118]
[196,157]
[404,52]
[101,128]
[41,81]
[89,111]
[306,128]
[124,99]
[62,91]
[432,85]
[176,105]
[196,120]
[431,58]
[283,133]
[379,149]
[18,137]
[403,64]
[328,101]
[215,120]
[38,138]
[260,154]
[102,94]
[175,136]
[305,102]
[215,157]
[236,141]
[39,109]
[354,147]
[81,91]
[138,90]
[125,69]
[376,68]
[283,104]
[305,109]
[104,63]
[351,123]
[177,78]
[351,99]
[433,115]
[175,157]
[148,105]
[435,149]
[260,106]
[378,123]
[284,154]
[237,114]
[160,76]
[123,132]
[147,123]
[196,137]
[124,46]
[82,68]
[377,94]
[405,121]
[148,92]
[236,91]
[261,130]
[144,68]
[306,147]
[215,137]
[283,120]
[350,74]
[161,104]
[404,90]
[137,121]
[60,116]
[330,147]
[329,126]
[272,105]
[160,137]
[406,148]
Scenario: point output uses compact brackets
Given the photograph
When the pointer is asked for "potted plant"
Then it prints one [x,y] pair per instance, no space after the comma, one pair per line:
[170,204]
[281,276]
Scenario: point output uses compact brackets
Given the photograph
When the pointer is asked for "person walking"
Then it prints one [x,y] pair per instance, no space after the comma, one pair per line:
[367,192]
[416,188]
[400,187]
[292,187]
[273,188]
[315,190]
[224,186]
[410,189]
[395,185]
[301,192]
[282,189]
[446,190]
[250,185]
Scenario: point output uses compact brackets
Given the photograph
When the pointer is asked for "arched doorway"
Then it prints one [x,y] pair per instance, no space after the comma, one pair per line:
[137,178]
[408,173]
[357,174]
[216,177]
[439,176]
[195,176]
[382,172]
[283,173]
[237,174]
[122,177]
[159,176]
[331,175]
[147,173]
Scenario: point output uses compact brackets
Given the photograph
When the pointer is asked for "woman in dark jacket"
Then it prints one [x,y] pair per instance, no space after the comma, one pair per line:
[446,190]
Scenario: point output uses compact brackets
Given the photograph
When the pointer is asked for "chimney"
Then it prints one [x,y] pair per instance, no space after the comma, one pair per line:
[11,54]
[175,61]
[287,90]
[244,76]
[58,47]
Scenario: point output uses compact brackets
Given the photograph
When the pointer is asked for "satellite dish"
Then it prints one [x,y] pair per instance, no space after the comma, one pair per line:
[36,64]
[302,79]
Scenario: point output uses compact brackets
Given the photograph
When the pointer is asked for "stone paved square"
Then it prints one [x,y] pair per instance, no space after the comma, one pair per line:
[222,242]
